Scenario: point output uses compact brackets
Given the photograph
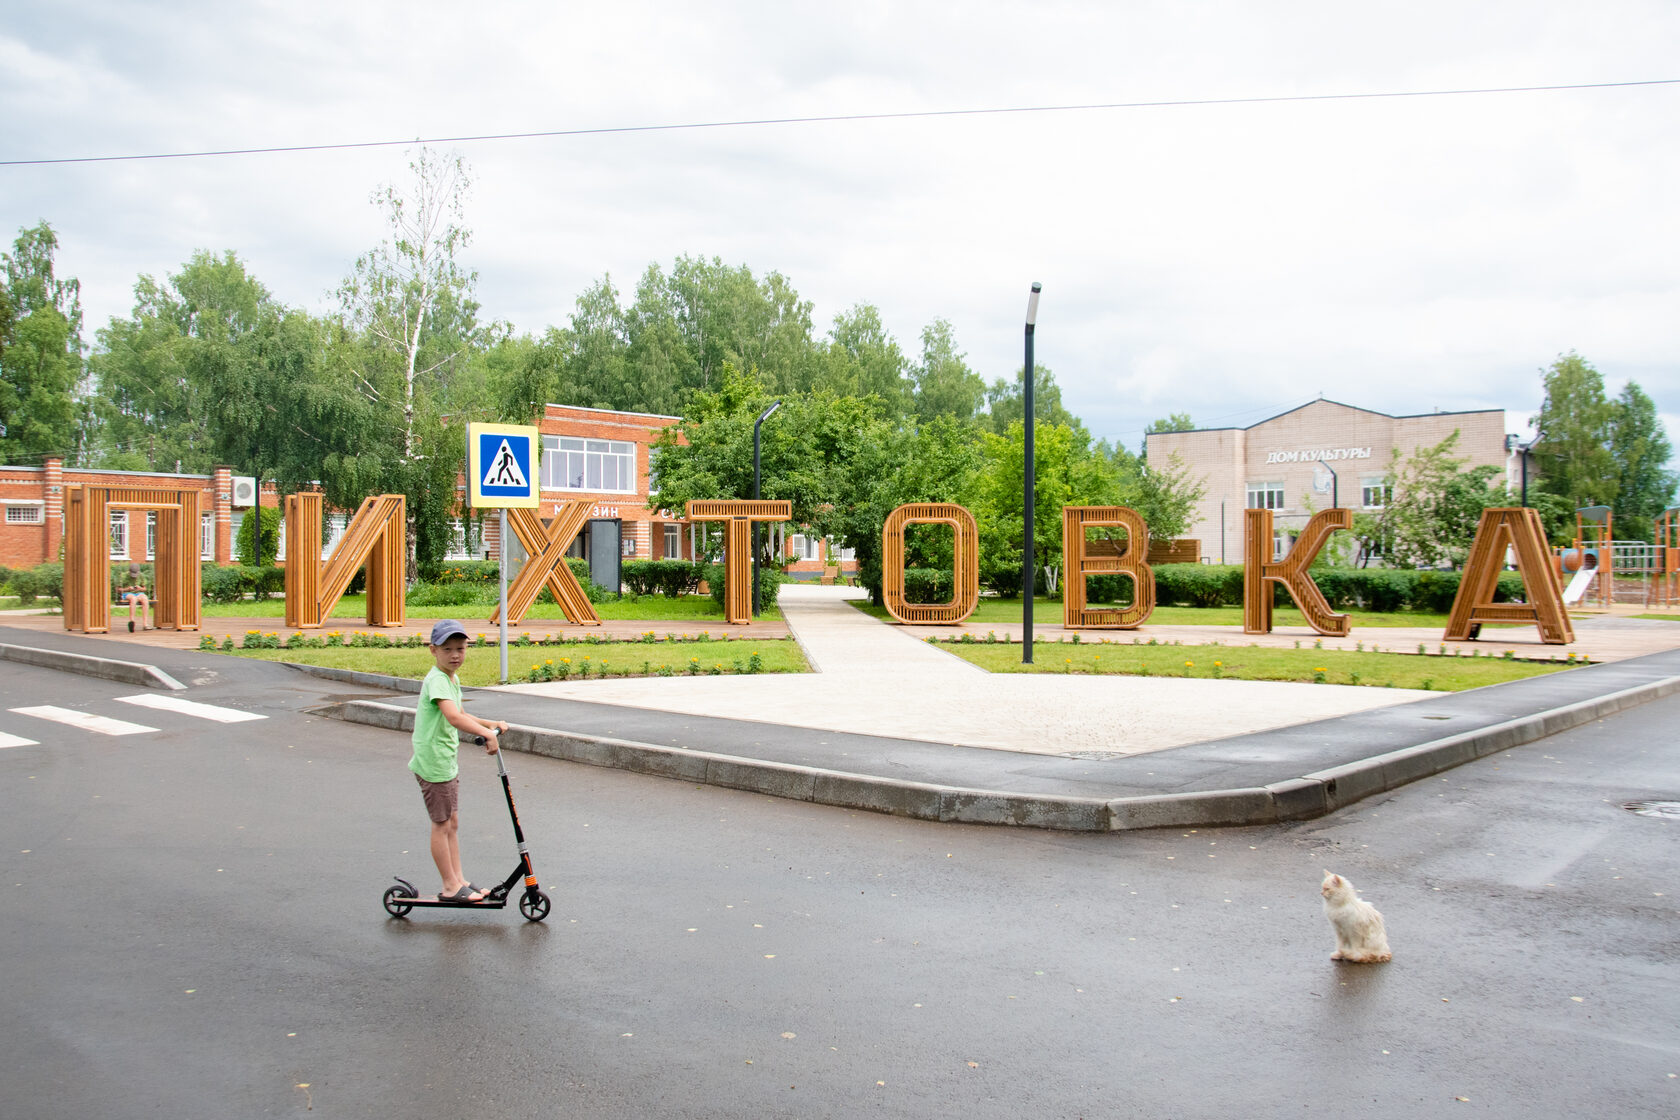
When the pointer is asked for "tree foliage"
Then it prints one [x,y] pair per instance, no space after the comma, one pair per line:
[40,352]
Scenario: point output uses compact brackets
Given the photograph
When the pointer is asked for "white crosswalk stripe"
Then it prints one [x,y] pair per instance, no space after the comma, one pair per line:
[16,741]
[167,703]
[86,721]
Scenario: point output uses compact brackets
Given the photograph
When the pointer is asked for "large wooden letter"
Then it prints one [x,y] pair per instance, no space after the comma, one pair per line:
[1259,572]
[546,548]
[965,563]
[738,518]
[87,555]
[1082,558]
[377,534]
[1521,531]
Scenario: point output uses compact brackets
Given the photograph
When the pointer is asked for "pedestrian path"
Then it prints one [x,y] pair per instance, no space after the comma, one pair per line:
[874,679]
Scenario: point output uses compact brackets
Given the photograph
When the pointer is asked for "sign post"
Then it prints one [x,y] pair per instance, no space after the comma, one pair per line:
[502,475]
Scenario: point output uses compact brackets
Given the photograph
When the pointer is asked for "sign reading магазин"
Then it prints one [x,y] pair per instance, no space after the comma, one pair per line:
[1318,455]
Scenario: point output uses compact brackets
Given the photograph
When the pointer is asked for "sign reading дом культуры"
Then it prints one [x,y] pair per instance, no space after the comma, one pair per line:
[502,466]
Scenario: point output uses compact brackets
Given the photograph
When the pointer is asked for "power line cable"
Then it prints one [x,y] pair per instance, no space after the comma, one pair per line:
[838,118]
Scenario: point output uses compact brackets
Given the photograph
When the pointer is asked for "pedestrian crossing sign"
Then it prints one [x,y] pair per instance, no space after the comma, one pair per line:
[501,466]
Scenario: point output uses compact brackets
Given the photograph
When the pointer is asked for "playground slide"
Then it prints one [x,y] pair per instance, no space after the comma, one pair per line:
[1578,585]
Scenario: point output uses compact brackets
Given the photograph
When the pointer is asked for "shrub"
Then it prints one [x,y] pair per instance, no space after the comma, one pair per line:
[1199,585]
[43,581]
[671,578]
[927,585]
[770,579]
[454,594]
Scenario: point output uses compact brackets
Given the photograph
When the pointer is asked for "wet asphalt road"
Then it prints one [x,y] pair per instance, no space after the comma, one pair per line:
[193,929]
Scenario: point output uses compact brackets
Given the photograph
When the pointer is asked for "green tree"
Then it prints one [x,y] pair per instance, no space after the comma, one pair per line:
[863,360]
[152,403]
[40,352]
[944,384]
[410,344]
[1434,506]
[1572,450]
[1006,403]
[1639,444]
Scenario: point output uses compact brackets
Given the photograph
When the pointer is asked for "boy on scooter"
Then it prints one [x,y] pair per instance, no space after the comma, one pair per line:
[438,724]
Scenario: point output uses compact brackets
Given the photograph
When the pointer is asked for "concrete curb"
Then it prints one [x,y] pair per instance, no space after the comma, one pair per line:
[799,783]
[353,676]
[1311,795]
[105,668]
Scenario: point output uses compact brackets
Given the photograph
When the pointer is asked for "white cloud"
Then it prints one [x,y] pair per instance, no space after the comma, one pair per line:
[1227,261]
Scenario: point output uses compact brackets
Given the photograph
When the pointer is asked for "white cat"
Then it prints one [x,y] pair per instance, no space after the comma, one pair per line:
[1360,937]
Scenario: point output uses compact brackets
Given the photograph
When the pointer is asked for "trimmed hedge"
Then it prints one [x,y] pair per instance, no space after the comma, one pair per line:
[1368,589]
[670,578]
[233,583]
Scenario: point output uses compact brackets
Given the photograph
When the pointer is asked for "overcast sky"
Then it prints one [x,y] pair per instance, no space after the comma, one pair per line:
[1227,261]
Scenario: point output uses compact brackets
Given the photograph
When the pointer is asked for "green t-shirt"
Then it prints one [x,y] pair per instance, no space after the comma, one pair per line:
[435,738]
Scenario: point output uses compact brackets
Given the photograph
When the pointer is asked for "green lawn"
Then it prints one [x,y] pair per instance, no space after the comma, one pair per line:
[1255,663]
[616,659]
[1007,612]
[1660,617]
[651,607]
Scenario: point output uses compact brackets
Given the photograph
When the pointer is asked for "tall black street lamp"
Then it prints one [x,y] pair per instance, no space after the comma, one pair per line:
[1027,490]
[765,415]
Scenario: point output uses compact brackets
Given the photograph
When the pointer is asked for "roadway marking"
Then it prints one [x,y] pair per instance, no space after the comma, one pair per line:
[13,741]
[86,721]
[188,707]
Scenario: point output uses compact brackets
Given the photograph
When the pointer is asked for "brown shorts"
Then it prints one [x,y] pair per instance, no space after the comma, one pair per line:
[441,797]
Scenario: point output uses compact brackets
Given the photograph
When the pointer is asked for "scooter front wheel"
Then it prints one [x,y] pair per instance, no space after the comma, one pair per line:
[534,905]
[395,904]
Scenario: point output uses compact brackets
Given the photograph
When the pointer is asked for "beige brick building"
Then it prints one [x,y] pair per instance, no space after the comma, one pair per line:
[1311,457]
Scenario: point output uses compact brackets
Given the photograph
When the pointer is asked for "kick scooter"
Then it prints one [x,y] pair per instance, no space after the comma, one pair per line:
[533,903]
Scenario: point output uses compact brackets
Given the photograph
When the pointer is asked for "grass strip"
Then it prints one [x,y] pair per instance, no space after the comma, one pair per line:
[1429,672]
[610,659]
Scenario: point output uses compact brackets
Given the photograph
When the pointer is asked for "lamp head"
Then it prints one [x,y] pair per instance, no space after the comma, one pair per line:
[1032,305]
[767,412]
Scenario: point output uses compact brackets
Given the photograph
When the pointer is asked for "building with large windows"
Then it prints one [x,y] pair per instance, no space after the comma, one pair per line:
[1310,458]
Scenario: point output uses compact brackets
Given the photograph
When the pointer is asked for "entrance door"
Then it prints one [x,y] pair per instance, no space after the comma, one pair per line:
[603,553]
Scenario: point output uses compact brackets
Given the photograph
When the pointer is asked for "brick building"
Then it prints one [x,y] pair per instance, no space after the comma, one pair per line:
[1299,461]
[33,497]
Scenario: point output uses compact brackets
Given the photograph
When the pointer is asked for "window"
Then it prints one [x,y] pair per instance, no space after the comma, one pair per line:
[206,536]
[151,535]
[1282,541]
[119,534]
[802,547]
[25,515]
[673,542]
[588,464]
[1265,495]
[1373,492]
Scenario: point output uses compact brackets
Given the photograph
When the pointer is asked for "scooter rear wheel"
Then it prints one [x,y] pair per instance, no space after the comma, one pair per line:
[534,905]
[394,904]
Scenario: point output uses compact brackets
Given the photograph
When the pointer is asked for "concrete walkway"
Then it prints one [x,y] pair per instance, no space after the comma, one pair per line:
[876,679]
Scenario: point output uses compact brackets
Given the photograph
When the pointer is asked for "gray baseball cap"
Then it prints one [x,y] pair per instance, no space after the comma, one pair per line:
[446,629]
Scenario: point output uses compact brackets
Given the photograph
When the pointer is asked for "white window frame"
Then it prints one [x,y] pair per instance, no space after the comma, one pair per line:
[1265,495]
[26,513]
[1282,541]
[673,541]
[591,466]
[151,534]
[206,536]
[801,546]
[1376,483]
[119,534]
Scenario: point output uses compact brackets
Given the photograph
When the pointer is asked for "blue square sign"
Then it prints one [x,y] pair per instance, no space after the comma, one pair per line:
[502,465]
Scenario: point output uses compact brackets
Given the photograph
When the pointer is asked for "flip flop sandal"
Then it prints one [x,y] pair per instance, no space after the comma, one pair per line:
[460,895]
